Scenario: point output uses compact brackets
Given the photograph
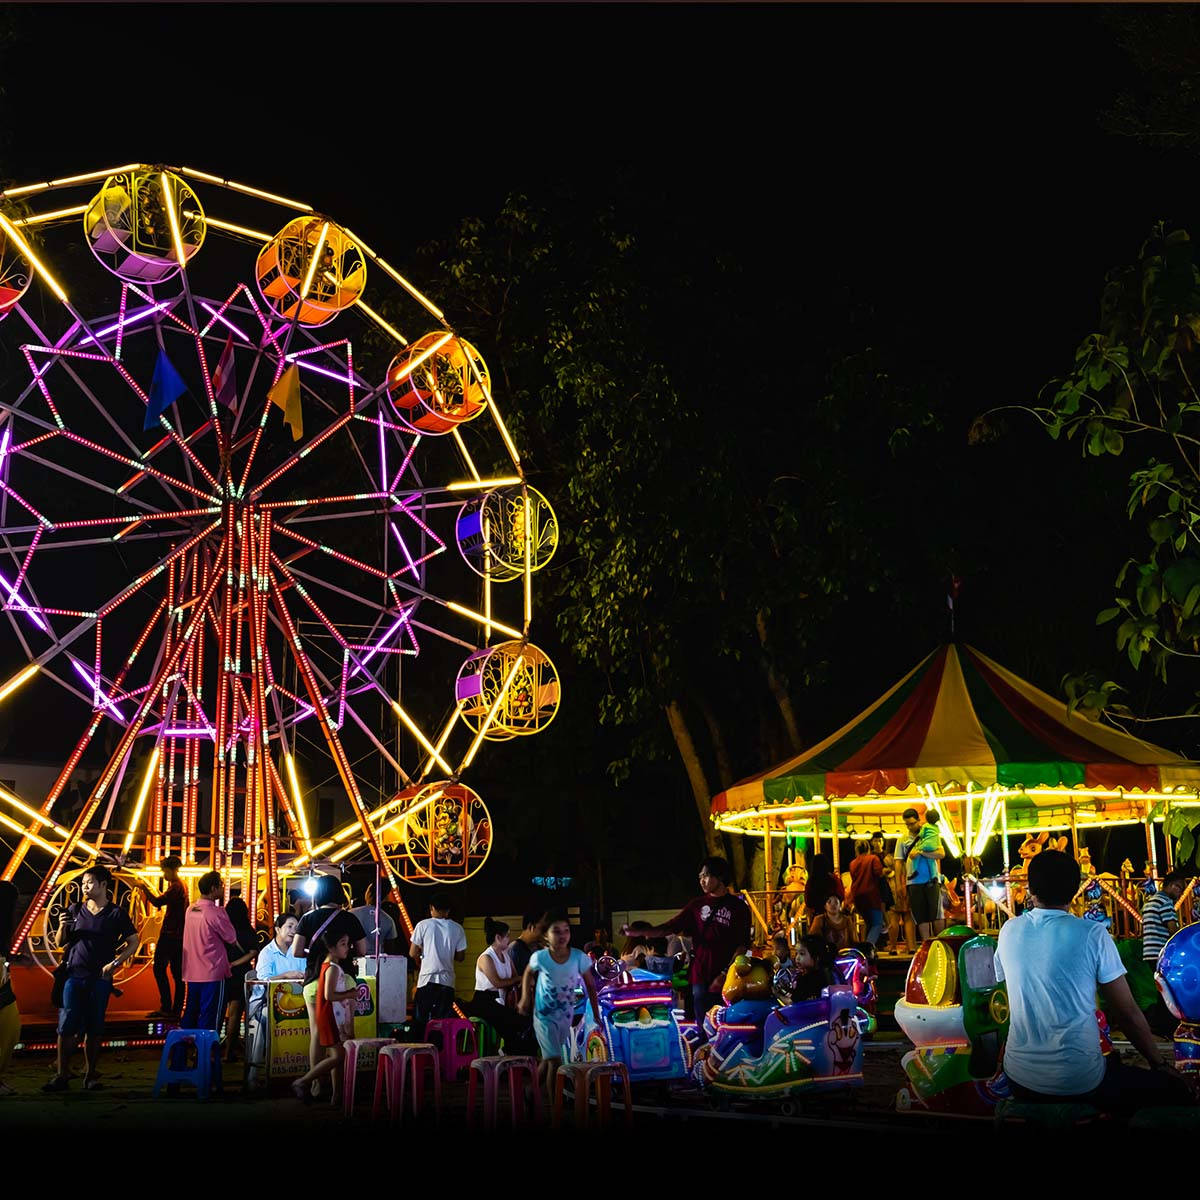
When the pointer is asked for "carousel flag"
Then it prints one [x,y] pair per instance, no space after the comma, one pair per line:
[286,394]
[224,383]
[165,388]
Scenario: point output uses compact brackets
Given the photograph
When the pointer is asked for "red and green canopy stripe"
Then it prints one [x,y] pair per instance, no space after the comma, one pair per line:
[958,718]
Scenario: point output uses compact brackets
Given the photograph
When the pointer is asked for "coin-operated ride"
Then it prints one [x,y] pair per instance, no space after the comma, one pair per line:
[640,1024]
[762,1047]
[1177,975]
[955,1012]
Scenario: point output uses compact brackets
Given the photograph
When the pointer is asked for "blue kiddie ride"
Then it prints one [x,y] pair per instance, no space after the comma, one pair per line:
[1178,979]
[759,1048]
[639,1024]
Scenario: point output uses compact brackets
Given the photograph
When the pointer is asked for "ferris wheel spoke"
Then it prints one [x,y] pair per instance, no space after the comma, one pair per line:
[168,481]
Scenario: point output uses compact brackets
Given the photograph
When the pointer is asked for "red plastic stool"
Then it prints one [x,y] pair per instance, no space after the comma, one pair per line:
[493,1070]
[350,1068]
[392,1071]
[585,1075]
[451,1032]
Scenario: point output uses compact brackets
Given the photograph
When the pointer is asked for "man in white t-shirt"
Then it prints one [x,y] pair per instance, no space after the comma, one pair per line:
[437,943]
[1054,963]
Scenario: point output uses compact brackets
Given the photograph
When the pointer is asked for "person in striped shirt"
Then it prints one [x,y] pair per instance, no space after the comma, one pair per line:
[1159,917]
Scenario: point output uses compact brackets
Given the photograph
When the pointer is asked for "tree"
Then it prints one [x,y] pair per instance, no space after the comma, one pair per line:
[706,468]
[1132,391]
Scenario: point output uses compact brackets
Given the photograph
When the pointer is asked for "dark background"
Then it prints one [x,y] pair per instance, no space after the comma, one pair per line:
[945,169]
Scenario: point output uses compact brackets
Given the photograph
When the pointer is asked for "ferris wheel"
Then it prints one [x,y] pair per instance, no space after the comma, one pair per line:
[253,489]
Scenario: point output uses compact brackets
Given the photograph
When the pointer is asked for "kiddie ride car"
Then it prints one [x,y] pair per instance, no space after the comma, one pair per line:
[640,1024]
[955,1012]
[1178,977]
[760,1046]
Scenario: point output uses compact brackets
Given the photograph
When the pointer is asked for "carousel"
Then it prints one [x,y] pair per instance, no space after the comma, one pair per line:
[999,760]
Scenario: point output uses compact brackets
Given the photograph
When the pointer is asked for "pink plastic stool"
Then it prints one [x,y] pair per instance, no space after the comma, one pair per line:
[392,1071]
[493,1070]
[455,1063]
[350,1068]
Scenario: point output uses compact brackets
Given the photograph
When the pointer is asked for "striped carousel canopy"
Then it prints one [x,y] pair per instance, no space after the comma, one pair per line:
[959,722]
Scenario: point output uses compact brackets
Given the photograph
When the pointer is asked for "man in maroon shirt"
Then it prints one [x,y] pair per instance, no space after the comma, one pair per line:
[718,922]
[168,950]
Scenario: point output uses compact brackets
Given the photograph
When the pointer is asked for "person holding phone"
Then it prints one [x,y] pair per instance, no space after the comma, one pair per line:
[98,938]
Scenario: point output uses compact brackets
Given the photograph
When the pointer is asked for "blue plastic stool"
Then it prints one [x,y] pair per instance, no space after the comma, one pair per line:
[207,1070]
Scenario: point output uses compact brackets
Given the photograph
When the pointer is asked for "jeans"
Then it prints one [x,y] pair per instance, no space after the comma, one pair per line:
[874,920]
[1123,1090]
[205,1004]
[703,1000]
[431,1003]
[84,1004]
[169,953]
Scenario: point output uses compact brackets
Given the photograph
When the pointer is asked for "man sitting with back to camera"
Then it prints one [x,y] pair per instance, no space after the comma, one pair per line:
[1053,963]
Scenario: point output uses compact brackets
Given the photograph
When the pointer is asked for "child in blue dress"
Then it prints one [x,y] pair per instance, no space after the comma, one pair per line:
[555,974]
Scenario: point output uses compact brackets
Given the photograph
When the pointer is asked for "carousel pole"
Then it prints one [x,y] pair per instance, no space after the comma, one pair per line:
[966,855]
[1168,853]
[833,837]
[1074,831]
[1008,898]
[1151,850]
[767,878]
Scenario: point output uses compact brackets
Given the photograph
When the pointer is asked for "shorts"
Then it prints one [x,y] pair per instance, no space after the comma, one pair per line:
[552,1031]
[85,1002]
[925,902]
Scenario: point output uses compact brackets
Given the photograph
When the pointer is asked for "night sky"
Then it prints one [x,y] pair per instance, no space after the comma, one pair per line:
[946,166]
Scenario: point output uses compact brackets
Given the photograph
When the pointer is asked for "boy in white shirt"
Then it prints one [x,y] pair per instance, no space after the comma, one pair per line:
[1053,963]
[437,943]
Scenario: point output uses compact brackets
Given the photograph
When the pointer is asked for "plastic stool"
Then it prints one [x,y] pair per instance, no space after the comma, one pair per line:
[493,1069]
[392,1070]
[455,1062]
[350,1068]
[487,1038]
[207,1070]
[584,1075]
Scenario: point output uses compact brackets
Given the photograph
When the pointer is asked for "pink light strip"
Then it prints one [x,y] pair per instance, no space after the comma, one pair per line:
[94,684]
[15,599]
[218,317]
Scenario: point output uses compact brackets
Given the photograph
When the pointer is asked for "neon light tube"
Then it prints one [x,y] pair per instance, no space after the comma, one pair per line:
[468,485]
[480,619]
[17,680]
[141,800]
[425,742]
[38,266]
[312,264]
[173,221]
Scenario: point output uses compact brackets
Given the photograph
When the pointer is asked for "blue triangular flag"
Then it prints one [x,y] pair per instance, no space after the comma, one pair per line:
[165,388]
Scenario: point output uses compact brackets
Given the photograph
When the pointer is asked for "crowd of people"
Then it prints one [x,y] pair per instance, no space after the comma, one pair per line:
[528,985]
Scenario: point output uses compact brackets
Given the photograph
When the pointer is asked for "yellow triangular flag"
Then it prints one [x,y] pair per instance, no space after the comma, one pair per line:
[286,394]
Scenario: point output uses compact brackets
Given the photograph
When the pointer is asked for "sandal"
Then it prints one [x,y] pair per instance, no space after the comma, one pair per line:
[91,1083]
[59,1083]
[7,1090]
[301,1092]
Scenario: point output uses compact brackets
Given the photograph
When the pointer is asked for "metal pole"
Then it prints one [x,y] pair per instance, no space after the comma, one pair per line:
[767,880]
[1008,897]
